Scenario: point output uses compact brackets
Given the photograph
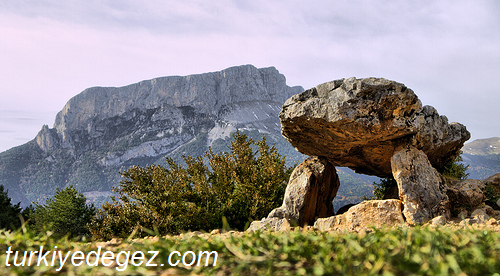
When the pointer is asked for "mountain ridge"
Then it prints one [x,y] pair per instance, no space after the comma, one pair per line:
[217,96]
[483,157]
[104,130]
[483,146]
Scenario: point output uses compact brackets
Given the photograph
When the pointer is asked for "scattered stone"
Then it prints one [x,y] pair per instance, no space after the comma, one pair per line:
[271,224]
[215,232]
[468,193]
[377,213]
[489,210]
[277,213]
[420,186]
[284,226]
[468,221]
[309,193]
[498,203]
[359,123]
[439,220]
[492,221]
[493,180]
[463,214]
[308,228]
[480,216]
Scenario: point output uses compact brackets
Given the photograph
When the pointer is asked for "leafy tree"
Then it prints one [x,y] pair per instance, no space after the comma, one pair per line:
[241,186]
[65,214]
[456,169]
[28,214]
[385,188]
[9,214]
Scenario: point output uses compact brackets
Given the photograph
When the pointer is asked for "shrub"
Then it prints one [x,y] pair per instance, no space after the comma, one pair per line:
[386,186]
[456,169]
[492,194]
[9,214]
[65,214]
[241,186]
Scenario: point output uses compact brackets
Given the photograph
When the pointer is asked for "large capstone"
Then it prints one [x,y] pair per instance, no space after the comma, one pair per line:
[359,123]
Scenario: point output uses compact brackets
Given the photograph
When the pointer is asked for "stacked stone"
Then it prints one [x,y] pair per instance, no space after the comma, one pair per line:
[373,126]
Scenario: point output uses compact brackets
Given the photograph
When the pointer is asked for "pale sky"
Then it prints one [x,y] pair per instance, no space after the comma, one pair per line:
[448,52]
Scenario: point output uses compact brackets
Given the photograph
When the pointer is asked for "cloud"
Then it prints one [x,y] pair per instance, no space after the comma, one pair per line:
[446,51]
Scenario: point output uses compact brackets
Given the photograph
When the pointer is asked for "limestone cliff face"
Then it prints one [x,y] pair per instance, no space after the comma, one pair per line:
[103,130]
[207,93]
[237,96]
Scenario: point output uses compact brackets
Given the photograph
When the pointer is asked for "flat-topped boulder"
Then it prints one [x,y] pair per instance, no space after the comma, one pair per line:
[360,123]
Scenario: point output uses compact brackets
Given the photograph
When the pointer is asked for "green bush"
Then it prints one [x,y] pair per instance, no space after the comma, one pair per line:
[492,194]
[240,186]
[65,214]
[384,187]
[9,214]
[456,169]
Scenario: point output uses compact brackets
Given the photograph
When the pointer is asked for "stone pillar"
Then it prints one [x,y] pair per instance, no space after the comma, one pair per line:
[421,188]
[309,194]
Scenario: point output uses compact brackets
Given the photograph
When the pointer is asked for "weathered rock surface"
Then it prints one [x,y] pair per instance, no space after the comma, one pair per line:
[271,224]
[377,213]
[420,186]
[309,193]
[171,102]
[480,215]
[439,220]
[470,194]
[359,123]
[466,194]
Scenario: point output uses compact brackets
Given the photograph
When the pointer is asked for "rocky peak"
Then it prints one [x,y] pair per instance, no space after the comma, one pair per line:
[47,139]
[213,94]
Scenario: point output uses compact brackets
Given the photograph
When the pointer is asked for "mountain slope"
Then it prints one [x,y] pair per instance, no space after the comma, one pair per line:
[483,157]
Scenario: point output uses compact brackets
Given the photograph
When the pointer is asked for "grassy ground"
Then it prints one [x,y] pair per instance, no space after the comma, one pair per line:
[400,251]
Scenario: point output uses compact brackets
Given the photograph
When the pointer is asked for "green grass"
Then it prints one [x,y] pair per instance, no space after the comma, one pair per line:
[402,251]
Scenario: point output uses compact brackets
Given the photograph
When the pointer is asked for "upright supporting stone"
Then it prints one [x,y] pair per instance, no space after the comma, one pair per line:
[312,187]
[420,186]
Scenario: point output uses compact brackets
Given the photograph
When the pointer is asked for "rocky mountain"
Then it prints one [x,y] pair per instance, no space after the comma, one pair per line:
[104,130]
[483,157]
